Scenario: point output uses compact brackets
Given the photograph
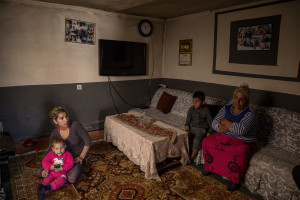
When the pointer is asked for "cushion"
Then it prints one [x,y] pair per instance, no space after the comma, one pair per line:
[214,109]
[166,102]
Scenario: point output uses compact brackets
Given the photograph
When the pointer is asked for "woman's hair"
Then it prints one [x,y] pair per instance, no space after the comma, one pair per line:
[244,90]
[55,112]
[58,140]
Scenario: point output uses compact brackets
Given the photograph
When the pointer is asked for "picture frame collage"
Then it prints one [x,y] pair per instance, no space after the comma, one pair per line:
[79,31]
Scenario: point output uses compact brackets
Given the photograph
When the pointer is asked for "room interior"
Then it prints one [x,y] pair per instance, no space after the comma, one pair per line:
[41,70]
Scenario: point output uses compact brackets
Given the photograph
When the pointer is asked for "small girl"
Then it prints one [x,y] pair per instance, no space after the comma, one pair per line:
[57,162]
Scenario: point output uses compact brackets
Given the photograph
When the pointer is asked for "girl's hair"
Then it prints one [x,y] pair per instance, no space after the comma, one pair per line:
[55,112]
[244,90]
[58,140]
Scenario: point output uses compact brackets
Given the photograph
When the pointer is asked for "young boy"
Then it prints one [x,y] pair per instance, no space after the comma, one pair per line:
[198,123]
[57,162]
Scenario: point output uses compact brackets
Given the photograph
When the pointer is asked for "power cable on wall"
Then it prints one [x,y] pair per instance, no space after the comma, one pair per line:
[150,81]
[149,85]
[112,95]
[110,84]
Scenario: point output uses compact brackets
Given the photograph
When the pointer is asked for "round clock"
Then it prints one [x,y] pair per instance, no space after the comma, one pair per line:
[145,28]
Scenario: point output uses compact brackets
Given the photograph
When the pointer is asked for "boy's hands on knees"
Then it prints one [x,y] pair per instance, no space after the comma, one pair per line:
[187,129]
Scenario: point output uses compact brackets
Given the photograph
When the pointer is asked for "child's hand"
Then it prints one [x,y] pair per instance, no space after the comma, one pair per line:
[207,134]
[58,169]
[52,167]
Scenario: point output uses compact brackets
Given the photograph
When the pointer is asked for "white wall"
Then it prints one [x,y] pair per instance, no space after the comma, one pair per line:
[200,28]
[33,50]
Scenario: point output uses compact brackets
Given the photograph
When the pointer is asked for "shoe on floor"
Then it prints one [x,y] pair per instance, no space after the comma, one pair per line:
[232,186]
[205,173]
[41,191]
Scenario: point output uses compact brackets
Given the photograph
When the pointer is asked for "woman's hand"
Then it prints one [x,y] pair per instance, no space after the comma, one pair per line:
[45,173]
[225,125]
[78,159]
[82,155]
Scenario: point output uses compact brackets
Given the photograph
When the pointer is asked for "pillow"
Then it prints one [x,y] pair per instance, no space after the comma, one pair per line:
[166,102]
[214,109]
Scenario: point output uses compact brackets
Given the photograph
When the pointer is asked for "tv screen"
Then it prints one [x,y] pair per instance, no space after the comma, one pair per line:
[121,58]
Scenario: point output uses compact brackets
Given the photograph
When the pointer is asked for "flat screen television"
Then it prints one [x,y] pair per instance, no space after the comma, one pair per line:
[122,58]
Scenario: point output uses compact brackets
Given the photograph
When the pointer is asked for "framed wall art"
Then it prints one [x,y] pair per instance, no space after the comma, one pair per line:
[80,31]
[255,41]
[185,52]
[258,41]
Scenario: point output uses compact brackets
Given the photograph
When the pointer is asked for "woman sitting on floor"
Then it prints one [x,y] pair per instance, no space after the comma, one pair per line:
[77,140]
[228,151]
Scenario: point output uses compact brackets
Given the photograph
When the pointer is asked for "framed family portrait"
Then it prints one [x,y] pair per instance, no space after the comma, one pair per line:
[80,31]
[255,41]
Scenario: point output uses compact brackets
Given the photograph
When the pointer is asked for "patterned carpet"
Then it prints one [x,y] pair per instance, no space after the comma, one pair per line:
[110,175]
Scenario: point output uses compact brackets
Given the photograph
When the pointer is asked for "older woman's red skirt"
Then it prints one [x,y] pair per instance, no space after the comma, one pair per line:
[227,156]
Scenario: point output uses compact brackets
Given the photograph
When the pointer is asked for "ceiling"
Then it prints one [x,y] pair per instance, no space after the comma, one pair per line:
[162,9]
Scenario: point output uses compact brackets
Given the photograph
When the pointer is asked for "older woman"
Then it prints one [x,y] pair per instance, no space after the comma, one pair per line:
[228,151]
[77,139]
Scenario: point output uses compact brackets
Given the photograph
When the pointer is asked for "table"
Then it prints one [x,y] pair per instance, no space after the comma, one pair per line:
[145,149]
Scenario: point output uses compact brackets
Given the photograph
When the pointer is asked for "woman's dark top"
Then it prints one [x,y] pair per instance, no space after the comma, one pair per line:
[77,139]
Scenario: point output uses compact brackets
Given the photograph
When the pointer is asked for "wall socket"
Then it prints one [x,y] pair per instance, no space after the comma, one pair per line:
[79,87]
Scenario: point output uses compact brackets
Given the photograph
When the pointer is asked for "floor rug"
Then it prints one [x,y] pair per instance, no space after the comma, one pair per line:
[24,182]
[110,175]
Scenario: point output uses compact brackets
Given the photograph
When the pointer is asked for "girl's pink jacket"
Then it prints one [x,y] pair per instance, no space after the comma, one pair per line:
[65,160]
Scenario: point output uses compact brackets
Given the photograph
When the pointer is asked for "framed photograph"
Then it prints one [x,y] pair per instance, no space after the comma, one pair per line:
[185,52]
[255,41]
[185,46]
[251,41]
[80,31]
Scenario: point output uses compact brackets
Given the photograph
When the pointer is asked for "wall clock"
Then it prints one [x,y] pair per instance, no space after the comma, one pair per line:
[145,28]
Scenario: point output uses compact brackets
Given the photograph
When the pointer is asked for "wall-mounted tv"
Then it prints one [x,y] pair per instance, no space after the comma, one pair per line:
[122,58]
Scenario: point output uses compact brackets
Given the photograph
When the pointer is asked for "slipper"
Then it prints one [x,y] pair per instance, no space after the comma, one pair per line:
[29,143]
[205,173]
[232,186]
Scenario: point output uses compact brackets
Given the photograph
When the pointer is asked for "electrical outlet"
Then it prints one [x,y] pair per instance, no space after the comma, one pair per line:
[79,87]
